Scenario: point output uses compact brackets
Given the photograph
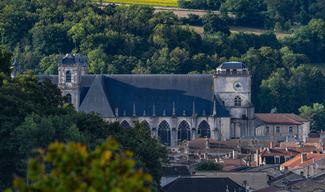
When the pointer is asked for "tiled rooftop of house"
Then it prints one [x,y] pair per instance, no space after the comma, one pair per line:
[295,162]
[279,152]
[199,145]
[281,118]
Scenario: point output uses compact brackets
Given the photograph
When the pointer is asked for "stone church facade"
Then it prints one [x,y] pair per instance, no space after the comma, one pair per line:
[173,107]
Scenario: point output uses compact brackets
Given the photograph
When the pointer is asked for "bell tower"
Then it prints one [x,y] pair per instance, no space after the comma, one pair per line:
[70,68]
[232,84]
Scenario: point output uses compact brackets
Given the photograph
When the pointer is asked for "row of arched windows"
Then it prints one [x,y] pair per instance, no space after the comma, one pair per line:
[183,133]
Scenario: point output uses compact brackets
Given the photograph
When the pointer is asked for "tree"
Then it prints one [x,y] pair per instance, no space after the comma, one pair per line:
[5,60]
[208,166]
[212,24]
[97,60]
[74,169]
[316,115]
[148,151]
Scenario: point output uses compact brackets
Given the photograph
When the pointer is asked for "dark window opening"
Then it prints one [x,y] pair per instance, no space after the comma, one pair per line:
[237,101]
[69,98]
[68,76]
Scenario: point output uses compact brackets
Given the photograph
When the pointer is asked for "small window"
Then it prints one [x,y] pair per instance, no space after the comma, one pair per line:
[234,71]
[277,129]
[290,129]
[69,98]
[227,71]
[237,101]
[277,160]
[267,130]
[68,76]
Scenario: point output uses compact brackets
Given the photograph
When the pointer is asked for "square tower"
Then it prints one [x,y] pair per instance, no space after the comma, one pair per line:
[71,67]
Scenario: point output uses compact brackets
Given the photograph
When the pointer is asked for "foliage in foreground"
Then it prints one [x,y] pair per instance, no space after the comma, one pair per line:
[104,169]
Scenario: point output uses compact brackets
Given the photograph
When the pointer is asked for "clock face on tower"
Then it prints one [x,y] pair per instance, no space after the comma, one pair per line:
[238,86]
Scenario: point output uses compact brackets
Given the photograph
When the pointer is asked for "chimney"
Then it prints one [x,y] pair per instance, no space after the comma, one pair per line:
[287,150]
[268,150]
[207,143]
[235,154]
[271,144]
[313,160]
[303,157]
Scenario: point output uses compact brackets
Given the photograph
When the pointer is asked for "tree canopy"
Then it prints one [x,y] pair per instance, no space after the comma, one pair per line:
[74,169]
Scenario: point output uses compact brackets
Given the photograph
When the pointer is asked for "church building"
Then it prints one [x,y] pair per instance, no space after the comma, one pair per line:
[174,107]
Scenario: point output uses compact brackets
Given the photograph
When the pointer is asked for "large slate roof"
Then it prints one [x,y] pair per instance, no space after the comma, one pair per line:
[203,184]
[140,94]
[53,78]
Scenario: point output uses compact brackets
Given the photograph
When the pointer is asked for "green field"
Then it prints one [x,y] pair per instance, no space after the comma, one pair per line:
[234,29]
[163,3]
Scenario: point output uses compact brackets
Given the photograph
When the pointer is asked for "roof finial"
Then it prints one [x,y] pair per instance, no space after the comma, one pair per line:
[214,107]
[173,108]
[193,108]
[116,111]
[153,110]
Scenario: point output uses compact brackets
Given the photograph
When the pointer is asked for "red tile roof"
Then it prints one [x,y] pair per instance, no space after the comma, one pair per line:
[295,162]
[281,118]
[279,152]
[215,146]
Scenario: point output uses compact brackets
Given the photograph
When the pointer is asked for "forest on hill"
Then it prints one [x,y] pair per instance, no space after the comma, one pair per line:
[135,39]
[269,14]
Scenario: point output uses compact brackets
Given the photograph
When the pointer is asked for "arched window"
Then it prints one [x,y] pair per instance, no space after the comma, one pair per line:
[125,124]
[164,133]
[69,98]
[237,101]
[204,129]
[184,132]
[68,76]
[146,125]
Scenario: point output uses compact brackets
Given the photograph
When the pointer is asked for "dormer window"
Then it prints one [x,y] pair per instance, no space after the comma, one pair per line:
[237,101]
[68,76]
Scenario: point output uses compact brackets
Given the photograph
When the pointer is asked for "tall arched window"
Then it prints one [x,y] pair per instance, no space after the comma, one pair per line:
[204,129]
[184,132]
[125,124]
[68,76]
[237,101]
[146,125]
[69,98]
[164,133]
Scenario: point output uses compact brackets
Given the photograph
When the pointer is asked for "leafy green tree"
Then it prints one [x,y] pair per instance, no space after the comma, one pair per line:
[97,61]
[208,166]
[148,152]
[316,115]
[212,24]
[74,169]
[5,60]
[48,65]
